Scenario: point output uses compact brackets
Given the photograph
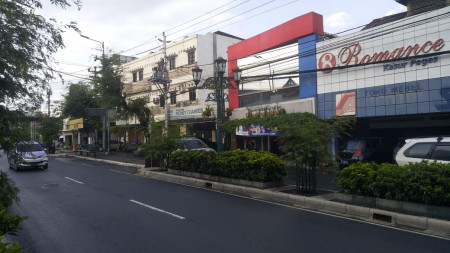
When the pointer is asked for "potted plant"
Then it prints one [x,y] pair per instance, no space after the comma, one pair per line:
[208,111]
[229,111]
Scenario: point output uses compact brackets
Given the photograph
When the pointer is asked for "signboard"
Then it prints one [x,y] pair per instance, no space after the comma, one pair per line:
[189,112]
[346,104]
[254,130]
[354,55]
[76,124]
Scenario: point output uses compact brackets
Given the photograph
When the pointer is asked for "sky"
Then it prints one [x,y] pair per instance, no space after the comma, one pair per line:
[133,27]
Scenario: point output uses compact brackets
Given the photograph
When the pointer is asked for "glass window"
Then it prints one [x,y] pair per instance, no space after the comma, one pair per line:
[162,101]
[442,152]
[172,63]
[191,58]
[134,77]
[192,95]
[173,98]
[419,150]
[29,147]
[141,75]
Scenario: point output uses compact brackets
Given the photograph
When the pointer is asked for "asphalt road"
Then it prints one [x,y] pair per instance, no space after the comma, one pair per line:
[87,206]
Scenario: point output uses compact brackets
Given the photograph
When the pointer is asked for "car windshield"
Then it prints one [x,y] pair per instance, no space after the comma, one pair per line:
[355,145]
[29,147]
[194,144]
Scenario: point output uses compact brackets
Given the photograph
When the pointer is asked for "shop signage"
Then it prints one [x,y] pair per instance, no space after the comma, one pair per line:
[255,130]
[346,104]
[268,110]
[413,87]
[186,113]
[351,55]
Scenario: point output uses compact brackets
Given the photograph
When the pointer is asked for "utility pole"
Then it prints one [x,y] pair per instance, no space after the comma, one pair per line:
[49,93]
[161,79]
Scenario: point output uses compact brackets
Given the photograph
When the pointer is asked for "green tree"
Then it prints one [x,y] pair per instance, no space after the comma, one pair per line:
[9,224]
[79,97]
[303,135]
[49,129]
[27,41]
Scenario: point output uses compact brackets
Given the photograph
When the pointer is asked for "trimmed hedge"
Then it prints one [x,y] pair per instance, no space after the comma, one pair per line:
[422,182]
[249,165]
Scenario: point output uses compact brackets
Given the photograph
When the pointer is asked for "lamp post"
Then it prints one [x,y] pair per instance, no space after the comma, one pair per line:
[101,42]
[217,83]
[104,118]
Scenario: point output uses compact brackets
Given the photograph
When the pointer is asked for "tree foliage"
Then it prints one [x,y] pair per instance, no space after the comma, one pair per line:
[80,97]
[49,129]
[27,41]
[303,135]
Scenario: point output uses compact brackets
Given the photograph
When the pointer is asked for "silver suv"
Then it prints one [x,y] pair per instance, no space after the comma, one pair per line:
[27,154]
[419,149]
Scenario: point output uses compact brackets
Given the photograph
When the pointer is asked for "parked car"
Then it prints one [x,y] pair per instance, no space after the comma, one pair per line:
[194,143]
[419,149]
[27,154]
[364,150]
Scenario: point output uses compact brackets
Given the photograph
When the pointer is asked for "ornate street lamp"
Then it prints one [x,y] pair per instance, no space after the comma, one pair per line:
[217,83]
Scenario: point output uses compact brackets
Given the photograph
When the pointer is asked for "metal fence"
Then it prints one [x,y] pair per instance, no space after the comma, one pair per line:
[306,175]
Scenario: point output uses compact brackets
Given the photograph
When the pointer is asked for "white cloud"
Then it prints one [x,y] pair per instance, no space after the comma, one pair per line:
[398,10]
[338,19]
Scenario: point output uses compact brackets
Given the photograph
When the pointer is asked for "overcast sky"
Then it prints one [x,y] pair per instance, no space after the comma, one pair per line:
[132,27]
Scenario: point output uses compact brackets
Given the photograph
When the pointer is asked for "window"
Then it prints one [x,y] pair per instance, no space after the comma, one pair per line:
[134,77]
[162,101]
[191,57]
[442,152]
[172,63]
[141,75]
[192,95]
[173,98]
[419,150]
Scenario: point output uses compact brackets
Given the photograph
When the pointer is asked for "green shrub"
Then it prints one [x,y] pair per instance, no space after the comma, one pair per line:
[417,182]
[239,164]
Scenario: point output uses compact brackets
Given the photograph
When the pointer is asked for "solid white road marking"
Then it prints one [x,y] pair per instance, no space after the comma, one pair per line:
[71,179]
[158,210]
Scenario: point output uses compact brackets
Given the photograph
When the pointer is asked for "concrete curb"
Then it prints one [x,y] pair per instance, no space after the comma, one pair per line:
[417,223]
[139,166]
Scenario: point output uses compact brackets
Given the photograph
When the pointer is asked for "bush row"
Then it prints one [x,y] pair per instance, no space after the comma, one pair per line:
[417,182]
[249,165]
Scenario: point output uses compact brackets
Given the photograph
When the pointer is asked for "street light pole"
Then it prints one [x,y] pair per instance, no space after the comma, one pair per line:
[104,118]
[217,83]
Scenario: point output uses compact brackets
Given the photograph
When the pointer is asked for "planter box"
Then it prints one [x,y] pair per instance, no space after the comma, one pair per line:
[225,180]
[438,212]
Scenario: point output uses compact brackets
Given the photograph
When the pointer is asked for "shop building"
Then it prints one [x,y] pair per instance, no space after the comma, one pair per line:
[186,101]
[393,75]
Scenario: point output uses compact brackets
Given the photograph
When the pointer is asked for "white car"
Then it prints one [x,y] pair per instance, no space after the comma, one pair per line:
[419,149]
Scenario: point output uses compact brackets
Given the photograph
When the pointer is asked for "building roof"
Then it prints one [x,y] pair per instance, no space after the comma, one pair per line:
[385,20]
[228,35]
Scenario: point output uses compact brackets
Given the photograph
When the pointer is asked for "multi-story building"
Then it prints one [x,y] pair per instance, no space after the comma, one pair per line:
[186,101]
[393,76]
